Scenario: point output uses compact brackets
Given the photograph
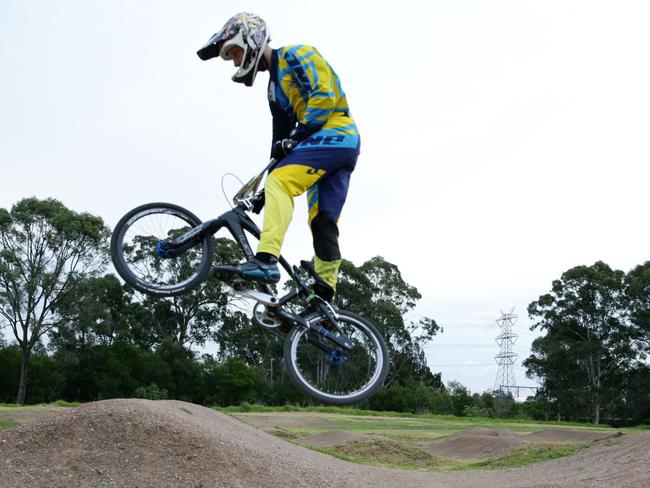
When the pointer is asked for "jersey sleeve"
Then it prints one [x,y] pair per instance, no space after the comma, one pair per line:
[316,84]
[282,123]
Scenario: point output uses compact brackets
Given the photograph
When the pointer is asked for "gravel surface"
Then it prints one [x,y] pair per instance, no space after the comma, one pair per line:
[142,443]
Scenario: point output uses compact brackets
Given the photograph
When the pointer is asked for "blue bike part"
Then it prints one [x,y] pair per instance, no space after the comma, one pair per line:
[337,357]
[253,269]
[161,250]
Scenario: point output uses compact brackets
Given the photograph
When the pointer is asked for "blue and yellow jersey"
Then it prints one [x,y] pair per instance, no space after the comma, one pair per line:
[304,88]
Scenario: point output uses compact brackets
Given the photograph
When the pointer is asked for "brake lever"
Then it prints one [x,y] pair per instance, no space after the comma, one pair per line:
[248,190]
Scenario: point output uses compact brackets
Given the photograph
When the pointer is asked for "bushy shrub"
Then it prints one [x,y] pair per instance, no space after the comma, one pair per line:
[151,392]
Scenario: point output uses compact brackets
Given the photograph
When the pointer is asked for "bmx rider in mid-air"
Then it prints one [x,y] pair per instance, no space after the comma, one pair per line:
[315,143]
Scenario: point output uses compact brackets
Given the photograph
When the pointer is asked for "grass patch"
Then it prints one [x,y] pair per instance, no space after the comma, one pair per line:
[396,455]
[58,403]
[8,424]
[186,410]
[255,408]
[284,433]
[524,456]
[63,403]
[450,422]
[387,454]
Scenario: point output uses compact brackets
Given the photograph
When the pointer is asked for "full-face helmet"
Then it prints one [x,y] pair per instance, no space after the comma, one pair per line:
[247,31]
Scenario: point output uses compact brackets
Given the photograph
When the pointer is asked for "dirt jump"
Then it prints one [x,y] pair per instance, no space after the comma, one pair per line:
[142,443]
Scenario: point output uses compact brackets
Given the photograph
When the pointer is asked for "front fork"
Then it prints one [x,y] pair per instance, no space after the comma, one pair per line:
[340,339]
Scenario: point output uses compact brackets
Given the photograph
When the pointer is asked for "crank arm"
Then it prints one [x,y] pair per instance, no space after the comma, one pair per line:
[258,296]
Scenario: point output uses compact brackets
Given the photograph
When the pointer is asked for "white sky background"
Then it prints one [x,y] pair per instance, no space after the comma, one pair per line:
[503,142]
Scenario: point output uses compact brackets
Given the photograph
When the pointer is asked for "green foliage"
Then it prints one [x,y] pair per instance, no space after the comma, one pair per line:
[377,291]
[596,337]
[8,424]
[379,452]
[526,456]
[43,246]
[194,317]
[232,382]
[106,340]
[151,392]
[637,287]
[63,403]
[10,368]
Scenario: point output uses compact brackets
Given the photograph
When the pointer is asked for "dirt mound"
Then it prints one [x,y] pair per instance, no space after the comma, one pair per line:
[481,443]
[484,432]
[282,433]
[333,438]
[165,444]
[144,443]
[475,443]
[563,435]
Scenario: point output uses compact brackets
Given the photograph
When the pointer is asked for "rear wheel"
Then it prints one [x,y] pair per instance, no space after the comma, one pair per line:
[137,247]
[327,372]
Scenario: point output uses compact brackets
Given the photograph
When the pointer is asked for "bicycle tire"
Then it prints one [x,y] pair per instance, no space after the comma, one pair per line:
[124,264]
[309,376]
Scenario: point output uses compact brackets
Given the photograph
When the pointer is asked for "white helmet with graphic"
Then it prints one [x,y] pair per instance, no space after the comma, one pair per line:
[247,31]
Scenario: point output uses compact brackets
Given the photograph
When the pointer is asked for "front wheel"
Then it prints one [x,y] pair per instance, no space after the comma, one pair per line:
[136,250]
[331,374]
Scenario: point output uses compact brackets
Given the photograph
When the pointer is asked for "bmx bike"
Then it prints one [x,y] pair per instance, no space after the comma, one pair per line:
[335,356]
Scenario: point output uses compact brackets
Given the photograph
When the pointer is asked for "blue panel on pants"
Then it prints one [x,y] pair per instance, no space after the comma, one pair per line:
[332,191]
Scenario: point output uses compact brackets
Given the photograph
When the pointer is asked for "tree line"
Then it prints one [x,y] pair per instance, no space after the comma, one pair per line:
[593,358]
[77,333]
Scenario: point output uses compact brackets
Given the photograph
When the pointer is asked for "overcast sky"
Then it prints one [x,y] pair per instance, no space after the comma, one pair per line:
[503,142]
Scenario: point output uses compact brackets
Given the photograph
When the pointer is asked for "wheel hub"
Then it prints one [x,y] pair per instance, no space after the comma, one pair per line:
[337,357]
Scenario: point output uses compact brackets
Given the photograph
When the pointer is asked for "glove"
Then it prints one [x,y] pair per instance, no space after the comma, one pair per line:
[258,202]
[301,132]
[282,147]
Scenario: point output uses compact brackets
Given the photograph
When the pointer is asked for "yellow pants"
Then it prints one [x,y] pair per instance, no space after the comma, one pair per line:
[282,185]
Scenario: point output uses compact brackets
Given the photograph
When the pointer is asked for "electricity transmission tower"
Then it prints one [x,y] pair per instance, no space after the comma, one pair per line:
[506,358]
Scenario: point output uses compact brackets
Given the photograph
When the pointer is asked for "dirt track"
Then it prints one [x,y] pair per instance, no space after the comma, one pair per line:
[140,443]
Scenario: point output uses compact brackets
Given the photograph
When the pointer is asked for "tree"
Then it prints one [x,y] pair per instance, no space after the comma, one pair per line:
[564,389]
[43,247]
[588,336]
[92,310]
[377,291]
[230,382]
[637,290]
[194,317]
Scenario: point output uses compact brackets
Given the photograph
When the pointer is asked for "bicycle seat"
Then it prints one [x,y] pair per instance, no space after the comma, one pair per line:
[321,287]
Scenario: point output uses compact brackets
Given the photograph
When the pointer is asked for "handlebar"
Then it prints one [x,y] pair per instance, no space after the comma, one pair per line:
[250,189]
[252,204]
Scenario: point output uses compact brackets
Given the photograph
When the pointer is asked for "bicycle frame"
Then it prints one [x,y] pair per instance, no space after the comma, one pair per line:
[237,222]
